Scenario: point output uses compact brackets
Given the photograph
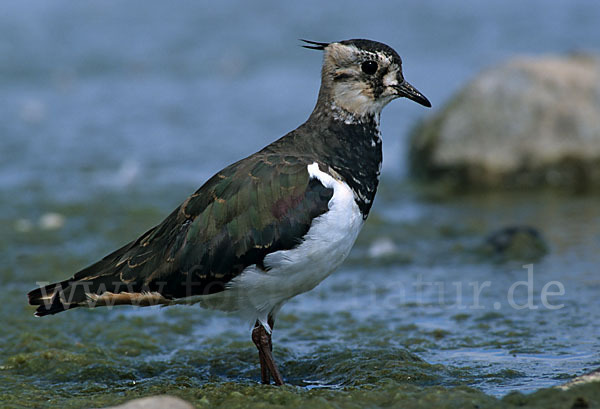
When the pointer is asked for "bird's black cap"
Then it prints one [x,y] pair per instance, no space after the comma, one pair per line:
[367,45]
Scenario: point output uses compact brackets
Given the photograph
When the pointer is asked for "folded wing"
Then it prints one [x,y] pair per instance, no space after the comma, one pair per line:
[259,205]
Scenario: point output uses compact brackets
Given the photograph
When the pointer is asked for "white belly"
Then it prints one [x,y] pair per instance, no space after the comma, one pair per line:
[256,293]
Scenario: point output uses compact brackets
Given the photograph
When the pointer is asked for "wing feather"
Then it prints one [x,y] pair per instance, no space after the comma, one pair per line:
[256,206]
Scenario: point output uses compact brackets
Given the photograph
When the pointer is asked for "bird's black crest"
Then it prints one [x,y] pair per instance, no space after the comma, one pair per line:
[315,45]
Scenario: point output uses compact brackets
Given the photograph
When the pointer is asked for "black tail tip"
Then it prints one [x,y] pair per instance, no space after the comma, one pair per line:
[34,296]
[54,308]
[48,300]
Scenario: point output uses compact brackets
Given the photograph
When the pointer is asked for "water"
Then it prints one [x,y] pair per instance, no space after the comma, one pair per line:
[111,113]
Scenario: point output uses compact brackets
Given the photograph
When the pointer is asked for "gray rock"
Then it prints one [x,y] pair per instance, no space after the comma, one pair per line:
[529,122]
[155,402]
[593,376]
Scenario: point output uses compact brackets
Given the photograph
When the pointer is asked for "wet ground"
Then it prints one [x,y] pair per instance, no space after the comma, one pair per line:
[110,117]
[419,312]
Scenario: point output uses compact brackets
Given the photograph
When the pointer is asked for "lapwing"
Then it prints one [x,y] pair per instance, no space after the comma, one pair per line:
[270,226]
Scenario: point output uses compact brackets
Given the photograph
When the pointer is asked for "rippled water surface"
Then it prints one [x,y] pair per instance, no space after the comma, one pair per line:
[112,112]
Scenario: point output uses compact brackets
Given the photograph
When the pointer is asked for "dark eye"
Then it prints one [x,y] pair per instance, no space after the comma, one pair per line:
[369,67]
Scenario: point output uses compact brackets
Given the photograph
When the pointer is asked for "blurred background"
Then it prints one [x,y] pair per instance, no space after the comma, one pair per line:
[112,112]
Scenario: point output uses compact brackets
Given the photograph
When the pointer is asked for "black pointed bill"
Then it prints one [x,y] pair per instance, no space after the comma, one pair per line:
[408,91]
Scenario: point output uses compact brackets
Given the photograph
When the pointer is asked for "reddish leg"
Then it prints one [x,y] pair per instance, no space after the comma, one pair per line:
[264,344]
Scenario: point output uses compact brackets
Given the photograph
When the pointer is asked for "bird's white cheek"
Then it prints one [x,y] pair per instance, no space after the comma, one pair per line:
[390,79]
[354,98]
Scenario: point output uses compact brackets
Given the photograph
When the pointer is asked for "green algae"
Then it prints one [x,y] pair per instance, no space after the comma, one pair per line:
[388,395]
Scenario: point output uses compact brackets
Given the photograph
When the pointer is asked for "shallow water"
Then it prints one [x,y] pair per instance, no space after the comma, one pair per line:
[111,114]
[391,319]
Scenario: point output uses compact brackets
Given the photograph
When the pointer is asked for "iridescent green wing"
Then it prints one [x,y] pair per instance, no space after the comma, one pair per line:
[256,206]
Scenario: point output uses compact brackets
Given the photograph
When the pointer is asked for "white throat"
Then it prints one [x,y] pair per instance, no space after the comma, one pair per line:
[353,118]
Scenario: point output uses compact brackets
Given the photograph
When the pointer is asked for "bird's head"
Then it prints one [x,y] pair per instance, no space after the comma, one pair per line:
[363,76]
